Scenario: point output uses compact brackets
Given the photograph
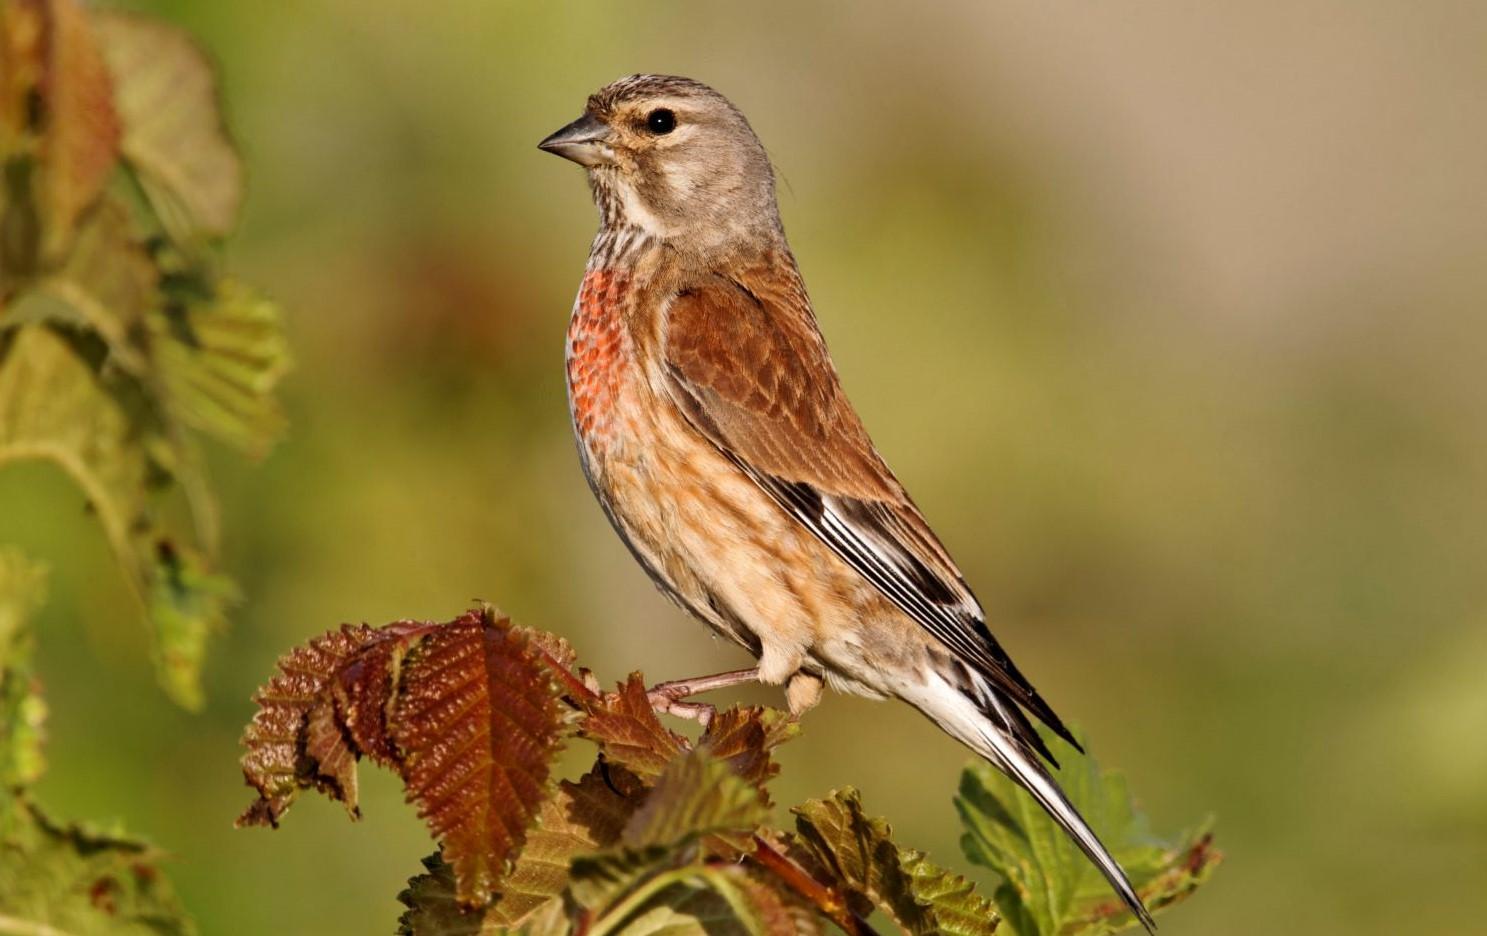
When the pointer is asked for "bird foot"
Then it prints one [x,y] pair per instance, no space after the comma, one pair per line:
[667,697]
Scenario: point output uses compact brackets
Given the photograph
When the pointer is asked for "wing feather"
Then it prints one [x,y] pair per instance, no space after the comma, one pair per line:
[748,367]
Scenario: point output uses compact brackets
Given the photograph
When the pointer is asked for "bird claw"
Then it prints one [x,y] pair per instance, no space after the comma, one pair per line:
[667,697]
[666,704]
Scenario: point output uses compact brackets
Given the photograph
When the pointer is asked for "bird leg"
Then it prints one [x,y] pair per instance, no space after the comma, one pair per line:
[667,697]
[803,691]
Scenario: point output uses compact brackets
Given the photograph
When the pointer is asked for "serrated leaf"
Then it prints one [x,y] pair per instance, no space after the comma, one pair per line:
[22,712]
[1050,888]
[478,723]
[696,795]
[325,708]
[466,712]
[628,732]
[173,139]
[53,406]
[221,358]
[557,648]
[433,909]
[746,736]
[660,890]
[856,852]
[57,405]
[580,818]
[81,882]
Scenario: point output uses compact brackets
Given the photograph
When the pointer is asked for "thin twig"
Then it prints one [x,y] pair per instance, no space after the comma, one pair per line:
[826,899]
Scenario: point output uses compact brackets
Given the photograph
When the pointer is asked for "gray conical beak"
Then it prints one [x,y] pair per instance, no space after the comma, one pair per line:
[585,141]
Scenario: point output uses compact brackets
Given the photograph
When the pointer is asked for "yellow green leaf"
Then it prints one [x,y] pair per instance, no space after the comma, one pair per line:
[1049,887]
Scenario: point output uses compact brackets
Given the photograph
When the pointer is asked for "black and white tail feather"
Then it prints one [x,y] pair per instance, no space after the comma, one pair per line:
[981,698]
[980,701]
[979,718]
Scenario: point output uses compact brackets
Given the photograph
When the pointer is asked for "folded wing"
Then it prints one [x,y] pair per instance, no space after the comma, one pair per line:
[749,369]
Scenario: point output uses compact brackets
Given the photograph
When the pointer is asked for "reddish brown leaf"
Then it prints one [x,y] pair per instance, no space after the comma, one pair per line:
[558,650]
[364,685]
[580,818]
[277,764]
[323,710]
[628,732]
[477,723]
[744,736]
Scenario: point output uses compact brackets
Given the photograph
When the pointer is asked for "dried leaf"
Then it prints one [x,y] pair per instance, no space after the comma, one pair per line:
[72,879]
[580,818]
[558,649]
[850,850]
[1049,886]
[628,732]
[478,723]
[174,141]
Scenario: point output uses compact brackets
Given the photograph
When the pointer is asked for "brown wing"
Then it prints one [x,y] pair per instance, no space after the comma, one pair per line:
[750,370]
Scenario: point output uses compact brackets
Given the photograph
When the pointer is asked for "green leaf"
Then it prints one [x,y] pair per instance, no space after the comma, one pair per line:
[433,909]
[187,604]
[22,712]
[221,355]
[106,285]
[57,405]
[79,881]
[660,890]
[696,795]
[578,819]
[1049,887]
[174,141]
[842,844]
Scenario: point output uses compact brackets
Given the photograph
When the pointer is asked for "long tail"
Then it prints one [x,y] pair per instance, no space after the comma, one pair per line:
[980,727]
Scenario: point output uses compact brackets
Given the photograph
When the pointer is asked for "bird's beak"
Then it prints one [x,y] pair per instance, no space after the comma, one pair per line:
[585,141]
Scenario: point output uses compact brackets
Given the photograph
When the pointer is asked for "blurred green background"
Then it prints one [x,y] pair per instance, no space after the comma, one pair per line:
[1171,318]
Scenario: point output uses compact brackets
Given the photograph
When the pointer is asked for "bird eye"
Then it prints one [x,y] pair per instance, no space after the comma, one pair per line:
[660,121]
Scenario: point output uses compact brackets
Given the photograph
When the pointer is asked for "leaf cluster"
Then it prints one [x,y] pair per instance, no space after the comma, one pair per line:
[121,339]
[664,833]
[121,342]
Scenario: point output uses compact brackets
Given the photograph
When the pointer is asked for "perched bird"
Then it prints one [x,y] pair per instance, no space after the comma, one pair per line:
[715,434]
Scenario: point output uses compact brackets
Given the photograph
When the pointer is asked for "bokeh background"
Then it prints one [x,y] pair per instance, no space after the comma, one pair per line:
[1172,318]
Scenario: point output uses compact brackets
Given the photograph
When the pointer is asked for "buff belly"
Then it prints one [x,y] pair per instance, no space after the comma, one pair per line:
[727,552]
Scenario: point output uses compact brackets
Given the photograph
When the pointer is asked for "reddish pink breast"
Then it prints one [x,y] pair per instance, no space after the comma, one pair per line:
[600,357]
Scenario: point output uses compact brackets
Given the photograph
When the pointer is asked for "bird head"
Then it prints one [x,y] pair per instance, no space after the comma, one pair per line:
[674,158]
